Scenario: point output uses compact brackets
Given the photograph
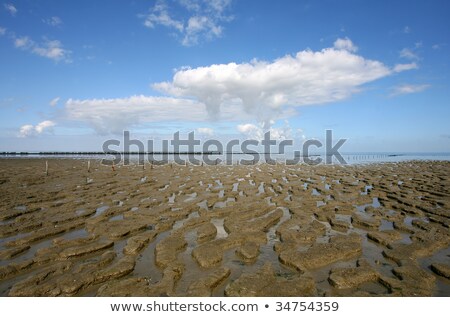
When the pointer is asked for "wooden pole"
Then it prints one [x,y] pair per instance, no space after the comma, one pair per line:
[89,166]
[46,168]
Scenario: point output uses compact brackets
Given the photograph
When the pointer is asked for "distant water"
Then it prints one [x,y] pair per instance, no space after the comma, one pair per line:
[350,158]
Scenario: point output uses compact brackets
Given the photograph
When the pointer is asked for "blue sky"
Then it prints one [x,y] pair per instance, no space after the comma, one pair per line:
[75,73]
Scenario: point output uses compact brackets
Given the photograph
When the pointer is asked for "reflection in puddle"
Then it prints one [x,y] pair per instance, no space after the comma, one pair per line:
[218,223]
[100,210]
[116,218]
[386,225]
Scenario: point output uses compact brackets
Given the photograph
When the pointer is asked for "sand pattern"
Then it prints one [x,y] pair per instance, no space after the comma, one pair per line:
[260,230]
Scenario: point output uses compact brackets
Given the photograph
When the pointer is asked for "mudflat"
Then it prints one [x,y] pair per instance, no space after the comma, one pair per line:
[259,230]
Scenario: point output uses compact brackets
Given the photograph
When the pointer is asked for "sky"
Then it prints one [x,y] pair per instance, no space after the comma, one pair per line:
[74,74]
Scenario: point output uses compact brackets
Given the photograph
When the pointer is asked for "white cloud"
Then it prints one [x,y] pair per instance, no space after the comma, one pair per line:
[264,88]
[23,42]
[345,44]
[54,101]
[256,132]
[160,16]
[408,54]
[408,89]
[30,130]
[205,19]
[115,115]
[44,125]
[26,130]
[403,67]
[53,21]
[50,49]
[2,31]
[251,131]
[205,131]
[406,30]
[265,91]
[10,8]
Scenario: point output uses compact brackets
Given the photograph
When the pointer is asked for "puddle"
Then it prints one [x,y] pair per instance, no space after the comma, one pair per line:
[164,188]
[172,199]
[267,252]
[192,269]
[180,223]
[203,204]
[260,189]
[100,210]
[218,223]
[12,238]
[116,218]
[119,245]
[375,204]
[442,284]
[80,212]
[80,233]
[190,197]
[386,225]
[367,189]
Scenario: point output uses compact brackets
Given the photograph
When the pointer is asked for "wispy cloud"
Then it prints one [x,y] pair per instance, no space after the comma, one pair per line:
[115,115]
[10,8]
[54,101]
[203,19]
[402,67]
[205,131]
[23,42]
[408,89]
[160,16]
[408,54]
[53,21]
[406,29]
[52,49]
[345,44]
[2,31]
[30,130]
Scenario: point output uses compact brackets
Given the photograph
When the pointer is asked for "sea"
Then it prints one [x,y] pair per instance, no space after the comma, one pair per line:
[239,158]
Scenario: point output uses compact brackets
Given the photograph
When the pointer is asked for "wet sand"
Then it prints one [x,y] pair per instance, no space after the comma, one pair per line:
[263,230]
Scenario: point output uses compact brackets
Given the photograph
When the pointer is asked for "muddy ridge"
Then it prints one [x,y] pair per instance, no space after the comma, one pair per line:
[256,230]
